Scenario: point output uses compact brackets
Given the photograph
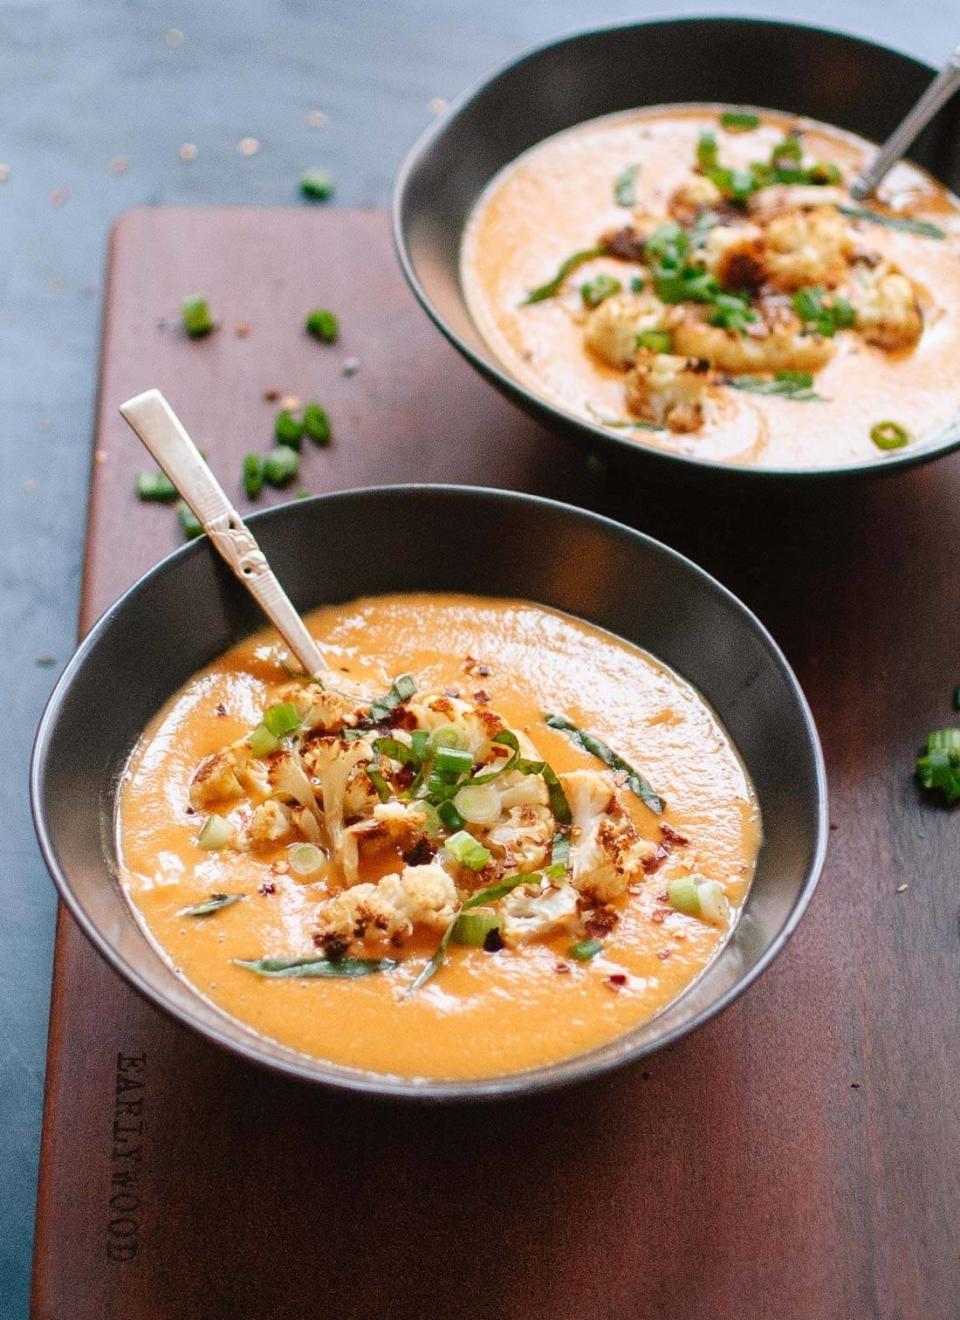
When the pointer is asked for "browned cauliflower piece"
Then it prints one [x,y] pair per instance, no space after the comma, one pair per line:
[270,824]
[778,197]
[389,910]
[607,852]
[397,825]
[612,328]
[887,307]
[807,247]
[771,348]
[696,193]
[523,840]
[735,254]
[534,910]
[321,708]
[215,780]
[668,390]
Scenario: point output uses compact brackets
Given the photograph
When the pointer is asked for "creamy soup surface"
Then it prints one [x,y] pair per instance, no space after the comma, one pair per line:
[879,343]
[487,1010]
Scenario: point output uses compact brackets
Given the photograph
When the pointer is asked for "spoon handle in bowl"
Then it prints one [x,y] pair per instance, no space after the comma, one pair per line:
[161,431]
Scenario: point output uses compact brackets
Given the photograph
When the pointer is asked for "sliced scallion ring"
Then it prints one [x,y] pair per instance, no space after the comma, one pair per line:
[215,833]
[478,803]
[263,742]
[683,895]
[467,850]
[447,735]
[306,860]
[282,719]
[472,928]
[889,435]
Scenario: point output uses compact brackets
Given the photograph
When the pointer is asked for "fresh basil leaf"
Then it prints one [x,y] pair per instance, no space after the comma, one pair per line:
[313,967]
[625,186]
[401,690]
[553,287]
[212,904]
[905,223]
[795,385]
[635,781]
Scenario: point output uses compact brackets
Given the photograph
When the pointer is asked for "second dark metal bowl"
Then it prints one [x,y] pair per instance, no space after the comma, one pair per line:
[189,609]
[838,79]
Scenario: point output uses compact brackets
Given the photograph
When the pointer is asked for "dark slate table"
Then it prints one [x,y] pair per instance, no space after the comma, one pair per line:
[97,102]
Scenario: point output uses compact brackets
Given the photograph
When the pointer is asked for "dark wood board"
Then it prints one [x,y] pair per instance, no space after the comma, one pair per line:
[741,1173]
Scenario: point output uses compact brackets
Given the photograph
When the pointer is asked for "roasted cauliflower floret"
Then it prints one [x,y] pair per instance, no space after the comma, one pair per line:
[215,780]
[734,253]
[887,308]
[524,838]
[320,708]
[476,724]
[794,197]
[697,193]
[270,824]
[772,349]
[668,390]
[607,851]
[520,790]
[420,896]
[532,911]
[807,247]
[396,825]
[612,328]
[333,763]
[287,780]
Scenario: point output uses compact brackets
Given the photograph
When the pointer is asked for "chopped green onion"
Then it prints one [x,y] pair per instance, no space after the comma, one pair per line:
[155,486]
[401,690]
[448,735]
[396,750]
[313,967]
[281,465]
[939,769]
[796,385]
[944,740]
[676,284]
[382,788]
[560,853]
[889,435]
[732,312]
[635,781]
[453,761]
[824,172]
[707,156]
[190,524]
[253,475]
[215,833]
[479,804]
[683,895]
[597,290]
[739,121]
[903,222]
[667,245]
[316,186]
[584,950]
[288,429]
[433,824]
[625,186]
[282,719]
[306,859]
[658,341]
[736,185]
[480,899]
[212,904]
[316,423]
[787,152]
[472,928]
[440,788]
[637,284]
[450,816]
[553,287]
[197,320]
[825,318]
[419,744]
[467,850]
[323,325]
[263,742]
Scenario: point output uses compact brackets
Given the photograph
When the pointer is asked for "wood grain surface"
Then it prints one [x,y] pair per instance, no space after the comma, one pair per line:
[795,1158]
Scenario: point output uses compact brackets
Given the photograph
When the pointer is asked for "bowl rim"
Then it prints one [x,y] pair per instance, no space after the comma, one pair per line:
[577,1068]
[539,404]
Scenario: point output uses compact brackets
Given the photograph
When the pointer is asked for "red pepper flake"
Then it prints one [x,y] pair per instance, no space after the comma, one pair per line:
[271,395]
[673,836]
[562,969]
[616,980]
[664,954]
[855,1086]
[481,697]
[658,917]
[242,331]
[483,671]
[189,811]
[268,887]
[220,709]
[451,692]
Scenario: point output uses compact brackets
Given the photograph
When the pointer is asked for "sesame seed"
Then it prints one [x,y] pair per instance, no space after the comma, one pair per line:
[436,105]
[118,165]
[189,151]
[175,38]
[58,196]
[248,146]
[316,119]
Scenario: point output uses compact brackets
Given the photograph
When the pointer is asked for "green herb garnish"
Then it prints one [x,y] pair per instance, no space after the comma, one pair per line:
[467,850]
[739,121]
[820,315]
[553,287]
[635,781]
[657,341]
[155,486]
[902,222]
[625,186]
[323,325]
[282,719]
[281,465]
[212,904]
[197,320]
[316,186]
[480,899]
[732,312]
[190,524]
[253,475]
[316,424]
[707,152]
[637,284]
[288,429]
[277,967]
[939,769]
[584,950]
[401,690]
[595,291]
[796,385]
[889,435]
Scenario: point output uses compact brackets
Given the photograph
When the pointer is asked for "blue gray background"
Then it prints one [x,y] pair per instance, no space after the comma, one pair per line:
[84,85]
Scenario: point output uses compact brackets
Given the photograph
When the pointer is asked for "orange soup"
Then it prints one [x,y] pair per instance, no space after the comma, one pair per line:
[494,838]
[700,280]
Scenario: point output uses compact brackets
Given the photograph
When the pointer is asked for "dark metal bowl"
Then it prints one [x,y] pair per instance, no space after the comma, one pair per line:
[333,548]
[807,71]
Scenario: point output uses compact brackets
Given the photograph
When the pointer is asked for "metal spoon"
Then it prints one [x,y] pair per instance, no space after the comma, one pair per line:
[910,127]
[157,425]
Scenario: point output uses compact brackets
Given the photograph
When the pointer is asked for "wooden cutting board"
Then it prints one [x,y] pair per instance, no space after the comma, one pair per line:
[796,1157]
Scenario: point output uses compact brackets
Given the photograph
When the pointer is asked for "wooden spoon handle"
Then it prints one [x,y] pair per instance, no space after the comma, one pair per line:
[157,425]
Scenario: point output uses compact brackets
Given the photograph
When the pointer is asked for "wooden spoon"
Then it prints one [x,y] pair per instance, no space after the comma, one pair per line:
[157,425]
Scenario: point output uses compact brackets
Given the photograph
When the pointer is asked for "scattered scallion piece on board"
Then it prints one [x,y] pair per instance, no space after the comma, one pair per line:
[584,950]
[197,320]
[212,904]
[739,121]
[889,435]
[323,325]
[316,424]
[288,429]
[635,781]
[939,768]
[905,223]
[553,287]
[625,186]
[190,524]
[253,475]
[281,465]
[155,486]
[314,967]
[316,185]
